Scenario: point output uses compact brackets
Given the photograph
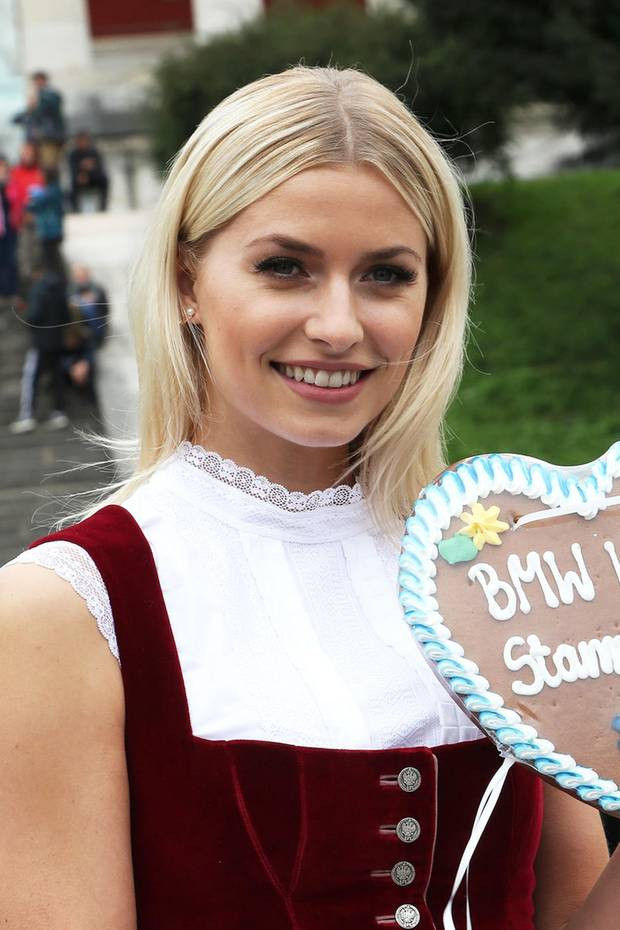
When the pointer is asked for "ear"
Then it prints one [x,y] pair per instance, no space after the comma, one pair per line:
[186,287]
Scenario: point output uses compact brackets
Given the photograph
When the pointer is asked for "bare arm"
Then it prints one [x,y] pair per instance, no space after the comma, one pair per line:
[65,855]
[572,856]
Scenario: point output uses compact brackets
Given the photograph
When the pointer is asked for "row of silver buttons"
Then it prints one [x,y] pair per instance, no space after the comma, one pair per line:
[407,916]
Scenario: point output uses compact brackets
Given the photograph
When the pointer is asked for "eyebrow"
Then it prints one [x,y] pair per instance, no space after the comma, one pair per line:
[295,245]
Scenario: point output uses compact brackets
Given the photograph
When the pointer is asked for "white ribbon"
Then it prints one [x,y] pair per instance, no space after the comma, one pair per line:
[485,809]
[587,509]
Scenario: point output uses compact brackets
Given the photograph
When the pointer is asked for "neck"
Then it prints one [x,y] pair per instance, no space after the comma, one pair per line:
[298,468]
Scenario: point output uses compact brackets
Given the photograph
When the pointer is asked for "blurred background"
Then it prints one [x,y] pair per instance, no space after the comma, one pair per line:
[96,96]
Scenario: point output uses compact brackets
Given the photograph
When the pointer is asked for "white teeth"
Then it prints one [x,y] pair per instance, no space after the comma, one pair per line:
[320,377]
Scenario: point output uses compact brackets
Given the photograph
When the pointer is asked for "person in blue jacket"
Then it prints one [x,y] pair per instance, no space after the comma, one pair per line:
[43,120]
[45,204]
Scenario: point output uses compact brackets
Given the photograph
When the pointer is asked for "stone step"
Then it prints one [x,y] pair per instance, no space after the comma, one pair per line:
[41,470]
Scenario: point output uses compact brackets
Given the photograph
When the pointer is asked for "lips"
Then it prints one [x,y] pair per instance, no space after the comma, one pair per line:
[320,384]
[321,377]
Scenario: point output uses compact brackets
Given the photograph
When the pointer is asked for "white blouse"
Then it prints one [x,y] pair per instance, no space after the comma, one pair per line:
[284,609]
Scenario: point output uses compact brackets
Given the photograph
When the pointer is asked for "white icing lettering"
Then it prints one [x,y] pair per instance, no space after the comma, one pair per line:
[535,661]
[589,653]
[515,665]
[489,581]
[567,584]
[567,663]
[539,653]
[571,581]
[532,569]
[600,654]
[588,660]
[610,549]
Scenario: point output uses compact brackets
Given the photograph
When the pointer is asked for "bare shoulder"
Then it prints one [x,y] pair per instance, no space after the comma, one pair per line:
[64,847]
[49,637]
[46,625]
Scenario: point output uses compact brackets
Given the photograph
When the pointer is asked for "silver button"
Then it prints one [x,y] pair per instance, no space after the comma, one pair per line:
[407,916]
[408,830]
[409,779]
[403,873]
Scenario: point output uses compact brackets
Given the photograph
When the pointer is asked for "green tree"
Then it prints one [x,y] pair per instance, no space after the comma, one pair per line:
[563,52]
[452,94]
[583,39]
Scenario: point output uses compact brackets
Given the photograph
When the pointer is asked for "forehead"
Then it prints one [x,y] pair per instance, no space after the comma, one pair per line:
[353,205]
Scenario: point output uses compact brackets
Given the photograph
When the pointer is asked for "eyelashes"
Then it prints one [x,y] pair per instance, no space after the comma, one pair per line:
[288,269]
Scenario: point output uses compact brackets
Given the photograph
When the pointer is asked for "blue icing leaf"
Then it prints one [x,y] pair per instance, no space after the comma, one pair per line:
[457,548]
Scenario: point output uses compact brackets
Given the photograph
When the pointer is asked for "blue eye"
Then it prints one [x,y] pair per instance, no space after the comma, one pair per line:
[280,267]
[392,274]
[400,275]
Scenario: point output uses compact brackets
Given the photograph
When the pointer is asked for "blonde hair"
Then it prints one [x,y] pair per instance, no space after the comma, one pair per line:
[250,143]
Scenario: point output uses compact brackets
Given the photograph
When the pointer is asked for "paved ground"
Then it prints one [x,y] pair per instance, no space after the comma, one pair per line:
[37,470]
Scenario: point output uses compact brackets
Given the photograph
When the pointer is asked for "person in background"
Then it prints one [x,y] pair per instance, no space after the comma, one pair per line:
[90,302]
[8,240]
[47,313]
[23,178]
[88,174]
[43,120]
[45,204]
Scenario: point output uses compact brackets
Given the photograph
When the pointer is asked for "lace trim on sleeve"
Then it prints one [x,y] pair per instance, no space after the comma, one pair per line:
[73,564]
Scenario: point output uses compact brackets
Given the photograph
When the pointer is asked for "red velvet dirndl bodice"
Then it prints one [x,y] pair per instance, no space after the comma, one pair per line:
[250,835]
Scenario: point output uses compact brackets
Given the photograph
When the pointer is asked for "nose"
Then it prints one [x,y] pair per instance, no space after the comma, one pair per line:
[334,319]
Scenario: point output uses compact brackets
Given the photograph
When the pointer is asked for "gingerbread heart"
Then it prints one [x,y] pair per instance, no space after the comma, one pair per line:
[510,581]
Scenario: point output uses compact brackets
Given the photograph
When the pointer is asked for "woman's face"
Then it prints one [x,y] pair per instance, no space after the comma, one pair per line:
[311,301]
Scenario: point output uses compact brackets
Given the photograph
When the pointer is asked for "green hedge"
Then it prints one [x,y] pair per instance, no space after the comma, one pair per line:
[544,359]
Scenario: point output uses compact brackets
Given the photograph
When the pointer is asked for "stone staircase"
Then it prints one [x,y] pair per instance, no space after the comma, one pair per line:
[37,470]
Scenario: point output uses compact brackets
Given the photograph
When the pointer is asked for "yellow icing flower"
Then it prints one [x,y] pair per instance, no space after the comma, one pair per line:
[483,525]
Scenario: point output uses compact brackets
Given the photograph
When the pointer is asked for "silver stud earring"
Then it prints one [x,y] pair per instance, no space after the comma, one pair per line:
[190,312]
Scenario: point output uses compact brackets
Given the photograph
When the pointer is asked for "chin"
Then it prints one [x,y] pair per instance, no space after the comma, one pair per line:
[322,440]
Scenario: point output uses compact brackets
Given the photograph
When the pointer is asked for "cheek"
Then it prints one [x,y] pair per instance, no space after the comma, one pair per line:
[246,328]
[399,342]
[227,332]
[400,334]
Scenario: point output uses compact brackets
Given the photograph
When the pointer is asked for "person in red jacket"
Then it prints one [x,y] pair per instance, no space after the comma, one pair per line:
[24,177]
[8,241]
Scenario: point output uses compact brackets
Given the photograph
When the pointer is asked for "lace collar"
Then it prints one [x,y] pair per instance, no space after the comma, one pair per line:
[261,488]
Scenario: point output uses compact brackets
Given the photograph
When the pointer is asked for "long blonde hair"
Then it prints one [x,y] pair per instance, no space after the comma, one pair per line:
[250,143]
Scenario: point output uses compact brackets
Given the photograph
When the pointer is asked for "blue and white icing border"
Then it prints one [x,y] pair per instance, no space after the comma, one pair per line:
[437,505]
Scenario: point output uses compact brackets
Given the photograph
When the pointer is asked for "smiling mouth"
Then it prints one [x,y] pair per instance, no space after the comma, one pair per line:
[344,377]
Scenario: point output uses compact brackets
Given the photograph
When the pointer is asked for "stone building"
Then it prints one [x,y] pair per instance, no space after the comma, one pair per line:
[100,55]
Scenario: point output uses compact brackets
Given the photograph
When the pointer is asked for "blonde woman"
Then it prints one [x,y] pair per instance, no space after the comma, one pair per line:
[255,740]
